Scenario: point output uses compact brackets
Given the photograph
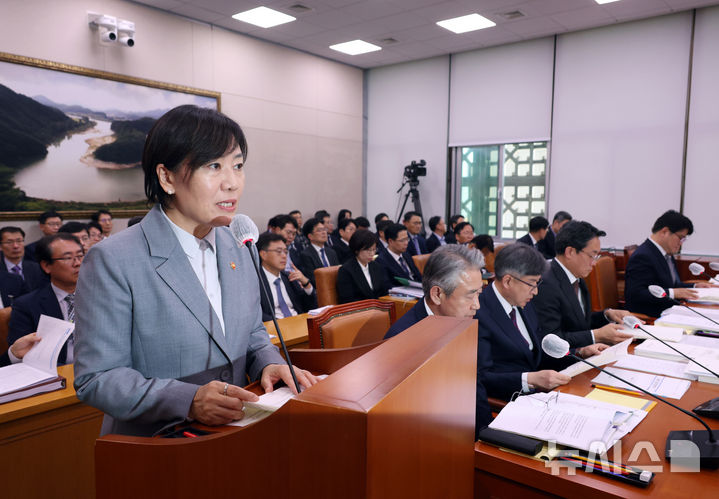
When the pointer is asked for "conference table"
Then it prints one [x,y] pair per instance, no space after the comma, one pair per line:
[499,473]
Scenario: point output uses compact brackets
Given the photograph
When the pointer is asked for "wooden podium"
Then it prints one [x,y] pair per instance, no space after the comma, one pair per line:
[396,421]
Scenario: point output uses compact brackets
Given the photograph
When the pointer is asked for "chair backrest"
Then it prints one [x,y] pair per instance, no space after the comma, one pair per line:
[602,284]
[326,285]
[351,324]
[4,321]
[420,261]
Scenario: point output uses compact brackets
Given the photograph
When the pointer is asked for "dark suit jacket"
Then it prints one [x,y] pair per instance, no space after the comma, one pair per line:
[11,286]
[26,312]
[647,266]
[353,286]
[33,274]
[394,269]
[310,260]
[433,242]
[30,251]
[559,311]
[301,301]
[526,239]
[483,414]
[502,352]
[4,360]
[450,237]
[546,245]
[422,246]
[343,250]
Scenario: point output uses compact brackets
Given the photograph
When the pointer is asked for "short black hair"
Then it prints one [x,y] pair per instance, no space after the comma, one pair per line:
[433,222]
[392,231]
[295,211]
[519,259]
[73,227]
[96,225]
[458,228]
[342,223]
[310,225]
[383,224]
[674,221]
[379,216]
[95,217]
[343,214]
[321,214]
[483,241]
[263,242]
[362,240]
[408,216]
[561,216]
[132,221]
[48,214]
[538,223]
[11,230]
[187,135]
[43,252]
[575,235]
[453,219]
[279,221]
[362,222]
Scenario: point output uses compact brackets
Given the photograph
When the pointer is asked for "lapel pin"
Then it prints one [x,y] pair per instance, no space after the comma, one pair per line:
[232,264]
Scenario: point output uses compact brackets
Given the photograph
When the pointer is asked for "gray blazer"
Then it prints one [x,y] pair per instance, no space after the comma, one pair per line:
[146,336]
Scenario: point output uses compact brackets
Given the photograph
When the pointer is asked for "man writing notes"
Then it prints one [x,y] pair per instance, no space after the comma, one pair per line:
[563,303]
[653,263]
[509,354]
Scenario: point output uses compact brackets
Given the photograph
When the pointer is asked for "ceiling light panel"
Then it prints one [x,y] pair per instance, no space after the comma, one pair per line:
[471,22]
[263,17]
[355,47]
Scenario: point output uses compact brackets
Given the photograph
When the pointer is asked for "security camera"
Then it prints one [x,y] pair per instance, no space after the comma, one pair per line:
[126,32]
[106,26]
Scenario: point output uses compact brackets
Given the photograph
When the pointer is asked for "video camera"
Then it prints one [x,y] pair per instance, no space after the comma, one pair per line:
[414,170]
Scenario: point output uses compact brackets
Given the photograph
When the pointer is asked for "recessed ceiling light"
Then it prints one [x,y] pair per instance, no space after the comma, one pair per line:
[263,17]
[463,24]
[600,2]
[355,47]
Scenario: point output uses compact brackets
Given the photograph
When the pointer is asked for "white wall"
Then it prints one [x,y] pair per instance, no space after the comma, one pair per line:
[302,114]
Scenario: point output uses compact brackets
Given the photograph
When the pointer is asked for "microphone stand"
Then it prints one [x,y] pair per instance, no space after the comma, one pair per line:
[268,297]
[704,441]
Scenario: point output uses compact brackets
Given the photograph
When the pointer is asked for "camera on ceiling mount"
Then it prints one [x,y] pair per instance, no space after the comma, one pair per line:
[111,29]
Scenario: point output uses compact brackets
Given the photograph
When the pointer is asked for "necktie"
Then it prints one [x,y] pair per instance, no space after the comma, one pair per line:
[281,300]
[575,286]
[672,269]
[70,352]
[416,245]
[70,300]
[17,270]
[513,316]
[405,267]
[325,263]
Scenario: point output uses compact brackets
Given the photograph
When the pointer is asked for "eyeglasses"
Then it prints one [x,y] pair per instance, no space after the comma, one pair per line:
[593,257]
[279,251]
[10,242]
[70,259]
[403,240]
[682,239]
[53,224]
[533,286]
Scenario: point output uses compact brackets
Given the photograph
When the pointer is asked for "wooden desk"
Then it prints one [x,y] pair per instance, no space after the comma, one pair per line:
[47,445]
[501,474]
[401,305]
[294,331]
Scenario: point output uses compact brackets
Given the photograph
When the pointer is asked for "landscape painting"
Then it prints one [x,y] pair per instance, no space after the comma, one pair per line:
[71,139]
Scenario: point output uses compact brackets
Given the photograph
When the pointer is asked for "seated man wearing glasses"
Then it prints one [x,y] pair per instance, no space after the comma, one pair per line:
[563,303]
[291,292]
[653,263]
[60,256]
[509,353]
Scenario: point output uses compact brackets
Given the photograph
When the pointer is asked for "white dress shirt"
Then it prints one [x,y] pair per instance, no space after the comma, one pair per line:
[670,291]
[507,307]
[365,271]
[271,278]
[572,279]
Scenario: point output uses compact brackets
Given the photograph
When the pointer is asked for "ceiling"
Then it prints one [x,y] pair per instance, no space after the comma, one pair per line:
[406,29]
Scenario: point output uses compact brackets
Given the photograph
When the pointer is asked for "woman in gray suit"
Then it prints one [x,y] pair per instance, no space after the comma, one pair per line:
[168,317]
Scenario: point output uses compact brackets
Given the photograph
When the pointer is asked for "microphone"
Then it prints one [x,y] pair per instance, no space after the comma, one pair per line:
[698,269]
[704,441]
[658,292]
[246,234]
[714,266]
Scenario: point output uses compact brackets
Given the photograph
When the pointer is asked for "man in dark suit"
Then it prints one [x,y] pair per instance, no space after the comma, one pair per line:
[413,223]
[546,245]
[341,243]
[291,293]
[381,239]
[537,230]
[653,263]
[12,258]
[49,223]
[452,283]
[317,254]
[396,260]
[563,303]
[324,217]
[286,226]
[454,220]
[60,255]
[439,229]
[509,353]
[11,287]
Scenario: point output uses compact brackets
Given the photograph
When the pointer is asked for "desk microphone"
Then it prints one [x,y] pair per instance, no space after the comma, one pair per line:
[246,233]
[659,292]
[704,442]
[714,266]
[698,269]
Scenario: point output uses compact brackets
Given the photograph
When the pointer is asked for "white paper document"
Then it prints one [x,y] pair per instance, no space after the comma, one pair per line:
[657,350]
[702,374]
[666,333]
[706,295]
[688,322]
[577,422]
[409,291]
[672,368]
[658,385]
[682,310]
[607,356]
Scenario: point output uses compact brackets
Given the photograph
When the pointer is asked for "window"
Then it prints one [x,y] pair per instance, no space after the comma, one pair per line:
[499,188]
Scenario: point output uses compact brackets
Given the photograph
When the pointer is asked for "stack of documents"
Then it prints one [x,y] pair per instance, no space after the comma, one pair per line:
[706,295]
[690,322]
[577,422]
[407,291]
[665,333]
[682,310]
[662,386]
[656,350]
[702,374]
[675,369]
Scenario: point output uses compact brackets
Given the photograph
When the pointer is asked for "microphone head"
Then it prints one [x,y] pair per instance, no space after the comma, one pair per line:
[657,291]
[554,346]
[631,321]
[714,265]
[244,229]
[696,268]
